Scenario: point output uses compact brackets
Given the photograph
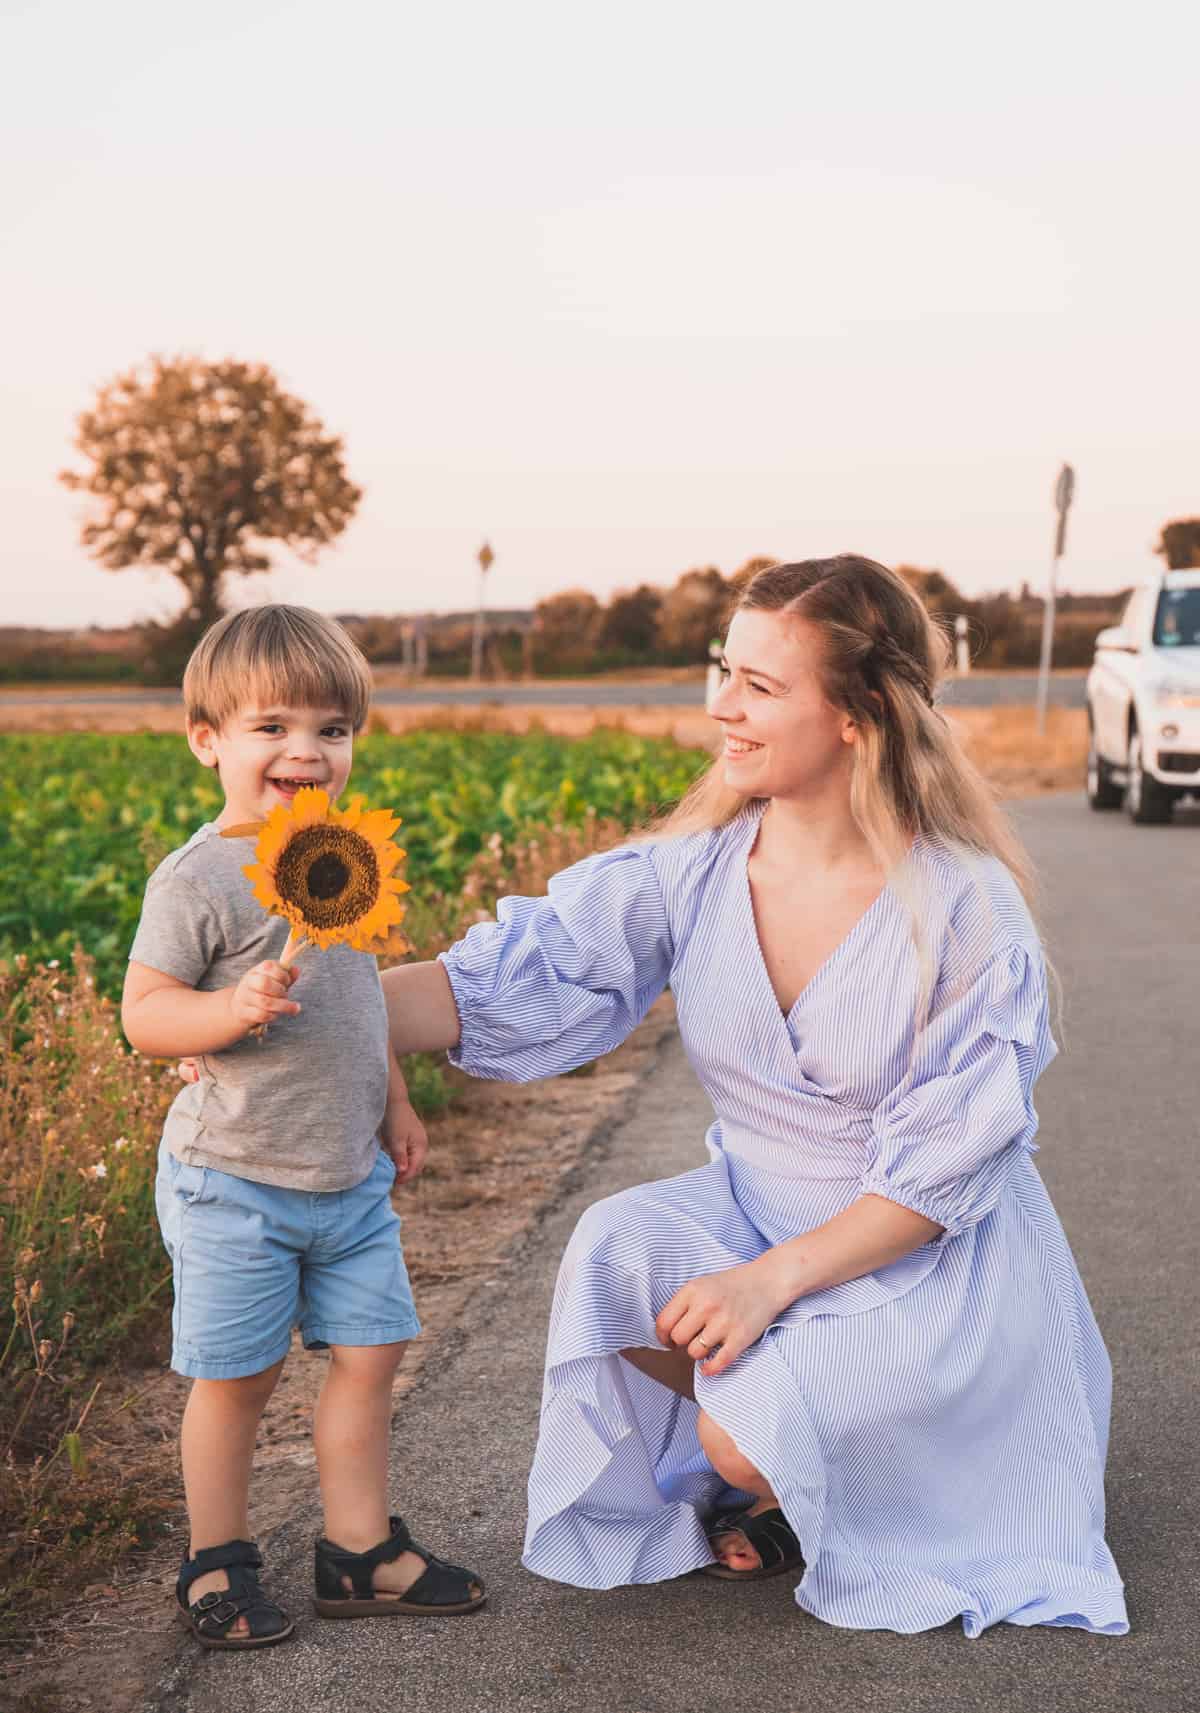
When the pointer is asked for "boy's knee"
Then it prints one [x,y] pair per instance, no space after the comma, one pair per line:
[367,1364]
[247,1391]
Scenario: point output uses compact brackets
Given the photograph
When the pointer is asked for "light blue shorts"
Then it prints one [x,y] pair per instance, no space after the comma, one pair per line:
[251,1261]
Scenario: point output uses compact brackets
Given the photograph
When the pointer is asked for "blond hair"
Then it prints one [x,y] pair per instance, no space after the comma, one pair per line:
[288,655]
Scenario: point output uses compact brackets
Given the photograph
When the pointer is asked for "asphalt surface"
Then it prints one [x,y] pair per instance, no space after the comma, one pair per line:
[980,690]
[1118,1138]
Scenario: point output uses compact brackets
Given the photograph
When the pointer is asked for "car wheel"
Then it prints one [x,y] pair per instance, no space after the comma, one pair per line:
[1101,792]
[1148,802]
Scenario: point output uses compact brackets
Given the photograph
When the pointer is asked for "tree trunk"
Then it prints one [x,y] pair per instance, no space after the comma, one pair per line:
[203,585]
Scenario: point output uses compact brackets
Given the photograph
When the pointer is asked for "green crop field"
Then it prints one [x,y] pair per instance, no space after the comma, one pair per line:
[83,817]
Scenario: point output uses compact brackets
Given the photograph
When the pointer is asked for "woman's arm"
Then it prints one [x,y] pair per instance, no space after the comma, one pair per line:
[733,1308]
[422,1015]
[869,1234]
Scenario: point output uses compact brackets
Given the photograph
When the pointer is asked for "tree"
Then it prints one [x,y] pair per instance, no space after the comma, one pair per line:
[566,627]
[1179,543]
[194,465]
[693,613]
[630,620]
[936,590]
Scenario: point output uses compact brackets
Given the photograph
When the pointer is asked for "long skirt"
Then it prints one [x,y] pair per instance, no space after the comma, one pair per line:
[935,1433]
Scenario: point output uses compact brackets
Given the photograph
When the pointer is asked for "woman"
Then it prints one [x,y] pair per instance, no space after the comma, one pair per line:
[854,1345]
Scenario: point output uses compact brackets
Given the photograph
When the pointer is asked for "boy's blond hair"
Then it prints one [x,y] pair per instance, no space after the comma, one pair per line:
[277,654]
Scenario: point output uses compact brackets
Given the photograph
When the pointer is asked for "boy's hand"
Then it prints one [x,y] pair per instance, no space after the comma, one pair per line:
[261,995]
[402,1135]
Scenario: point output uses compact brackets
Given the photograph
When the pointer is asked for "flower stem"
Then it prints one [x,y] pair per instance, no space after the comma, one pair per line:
[295,945]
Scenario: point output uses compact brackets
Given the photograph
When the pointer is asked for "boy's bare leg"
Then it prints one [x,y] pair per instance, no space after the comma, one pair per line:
[350,1432]
[217,1446]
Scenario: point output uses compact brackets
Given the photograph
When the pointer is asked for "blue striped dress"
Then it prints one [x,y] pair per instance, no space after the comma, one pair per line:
[935,1431]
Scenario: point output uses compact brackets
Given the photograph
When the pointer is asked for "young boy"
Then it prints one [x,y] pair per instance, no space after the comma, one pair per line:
[273,1191]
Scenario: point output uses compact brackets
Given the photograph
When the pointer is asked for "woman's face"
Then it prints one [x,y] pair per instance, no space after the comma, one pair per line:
[782,738]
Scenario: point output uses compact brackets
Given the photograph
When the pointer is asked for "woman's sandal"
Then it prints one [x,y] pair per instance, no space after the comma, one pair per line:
[768,1532]
[211,1618]
[441,1590]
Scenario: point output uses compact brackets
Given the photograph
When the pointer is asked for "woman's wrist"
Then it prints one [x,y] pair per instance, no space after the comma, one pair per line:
[784,1274]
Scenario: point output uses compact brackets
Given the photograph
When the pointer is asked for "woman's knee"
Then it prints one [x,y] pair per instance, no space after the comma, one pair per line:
[607,1222]
[730,1464]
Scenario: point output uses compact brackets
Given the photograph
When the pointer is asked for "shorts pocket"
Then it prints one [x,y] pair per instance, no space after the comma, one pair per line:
[188,1183]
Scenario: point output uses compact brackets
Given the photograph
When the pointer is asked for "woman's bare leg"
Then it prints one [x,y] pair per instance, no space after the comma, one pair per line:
[733,1549]
[676,1370]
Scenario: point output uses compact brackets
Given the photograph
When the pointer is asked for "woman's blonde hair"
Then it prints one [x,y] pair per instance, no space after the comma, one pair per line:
[882,658]
[288,655]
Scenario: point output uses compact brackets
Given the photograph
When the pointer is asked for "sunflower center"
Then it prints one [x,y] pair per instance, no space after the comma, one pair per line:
[329,874]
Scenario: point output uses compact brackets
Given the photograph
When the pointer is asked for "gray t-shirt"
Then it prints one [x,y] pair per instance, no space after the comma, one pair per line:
[301,1105]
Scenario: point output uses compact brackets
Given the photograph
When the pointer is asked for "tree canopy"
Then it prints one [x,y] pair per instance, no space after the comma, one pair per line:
[195,465]
[1179,543]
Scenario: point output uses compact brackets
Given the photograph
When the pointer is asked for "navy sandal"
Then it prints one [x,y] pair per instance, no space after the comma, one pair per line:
[771,1536]
[440,1591]
[211,1618]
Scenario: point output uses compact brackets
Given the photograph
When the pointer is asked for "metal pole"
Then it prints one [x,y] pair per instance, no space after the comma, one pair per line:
[477,639]
[1064,493]
[486,557]
[712,677]
[1047,644]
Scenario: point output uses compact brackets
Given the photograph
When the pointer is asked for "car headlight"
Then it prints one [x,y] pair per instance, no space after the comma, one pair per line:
[1176,693]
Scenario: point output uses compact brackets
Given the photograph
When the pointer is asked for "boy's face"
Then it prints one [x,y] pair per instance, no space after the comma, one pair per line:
[265,754]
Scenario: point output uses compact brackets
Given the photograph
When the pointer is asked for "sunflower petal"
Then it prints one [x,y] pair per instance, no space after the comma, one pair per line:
[310,805]
[377,826]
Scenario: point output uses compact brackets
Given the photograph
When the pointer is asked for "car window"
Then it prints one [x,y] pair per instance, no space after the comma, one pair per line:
[1177,619]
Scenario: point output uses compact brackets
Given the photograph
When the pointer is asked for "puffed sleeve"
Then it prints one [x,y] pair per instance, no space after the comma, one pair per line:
[554,982]
[947,1137]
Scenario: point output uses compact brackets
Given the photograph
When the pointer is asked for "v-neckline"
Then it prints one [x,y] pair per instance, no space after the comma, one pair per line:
[818,975]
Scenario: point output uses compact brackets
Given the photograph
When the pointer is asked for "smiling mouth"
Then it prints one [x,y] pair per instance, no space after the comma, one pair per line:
[740,746]
[289,787]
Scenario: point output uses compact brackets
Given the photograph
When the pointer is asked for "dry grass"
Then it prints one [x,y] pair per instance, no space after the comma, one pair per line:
[1005,744]
[1002,740]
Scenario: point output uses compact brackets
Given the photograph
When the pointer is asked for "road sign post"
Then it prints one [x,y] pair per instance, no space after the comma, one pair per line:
[1064,493]
[486,557]
[962,646]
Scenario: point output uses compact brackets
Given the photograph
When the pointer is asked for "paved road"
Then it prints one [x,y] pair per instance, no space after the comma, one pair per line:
[980,690]
[1119,1149]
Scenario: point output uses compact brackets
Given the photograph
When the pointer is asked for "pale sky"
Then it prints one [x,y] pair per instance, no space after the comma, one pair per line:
[624,288]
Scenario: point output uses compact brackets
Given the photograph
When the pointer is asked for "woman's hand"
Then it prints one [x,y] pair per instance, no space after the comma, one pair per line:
[402,1135]
[719,1315]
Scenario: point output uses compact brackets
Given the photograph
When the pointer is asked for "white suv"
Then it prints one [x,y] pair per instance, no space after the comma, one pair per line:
[1143,702]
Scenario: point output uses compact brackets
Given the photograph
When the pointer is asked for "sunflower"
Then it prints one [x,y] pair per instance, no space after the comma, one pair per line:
[329,873]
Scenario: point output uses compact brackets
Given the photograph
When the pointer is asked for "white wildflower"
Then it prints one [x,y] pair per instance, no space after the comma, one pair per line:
[99,1170]
[121,1142]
